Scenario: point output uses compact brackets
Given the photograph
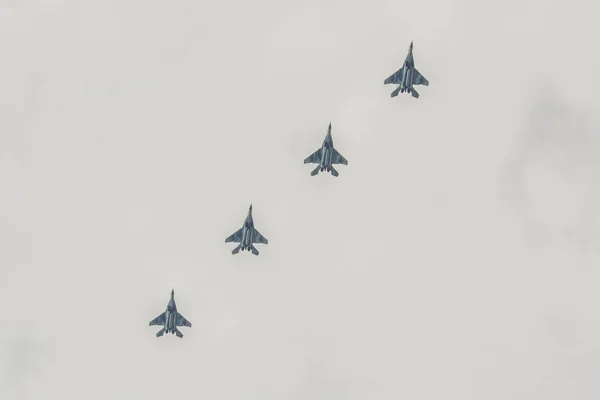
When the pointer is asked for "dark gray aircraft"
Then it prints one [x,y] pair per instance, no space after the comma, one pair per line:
[246,236]
[407,76]
[170,319]
[326,156]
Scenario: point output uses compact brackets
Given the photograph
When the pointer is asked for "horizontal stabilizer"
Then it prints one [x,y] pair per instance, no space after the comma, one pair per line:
[315,171]
[160,333]
[414,93]
[395,92]
[236,250]
[334,171]
[178,333]
[254,250]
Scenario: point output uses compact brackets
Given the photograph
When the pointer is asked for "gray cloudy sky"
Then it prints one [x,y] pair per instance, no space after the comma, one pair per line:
[455,257]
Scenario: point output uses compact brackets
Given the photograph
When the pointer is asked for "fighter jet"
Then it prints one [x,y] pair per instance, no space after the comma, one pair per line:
[170,319]
[246,236]
[407,76]
[326,156]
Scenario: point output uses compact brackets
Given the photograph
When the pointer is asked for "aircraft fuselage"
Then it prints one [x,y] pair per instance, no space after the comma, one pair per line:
[326,154]
[406,81]
[246,242]
[170,323]
[325,164]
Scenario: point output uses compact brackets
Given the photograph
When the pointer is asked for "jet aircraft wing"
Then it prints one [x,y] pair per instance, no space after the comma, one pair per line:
[337,158]
[160,320]
[314,158]
[235,237]
[419,79]
[181,321]
[257,237]
[395,77]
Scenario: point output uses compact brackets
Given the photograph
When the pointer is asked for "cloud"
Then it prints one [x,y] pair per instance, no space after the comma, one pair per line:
[135,134]
[21,364]
[551,178]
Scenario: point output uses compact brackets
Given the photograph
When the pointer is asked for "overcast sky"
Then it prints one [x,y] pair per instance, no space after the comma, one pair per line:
[456,257]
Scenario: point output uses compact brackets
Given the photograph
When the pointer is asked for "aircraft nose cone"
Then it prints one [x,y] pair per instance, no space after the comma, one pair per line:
[172,292]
